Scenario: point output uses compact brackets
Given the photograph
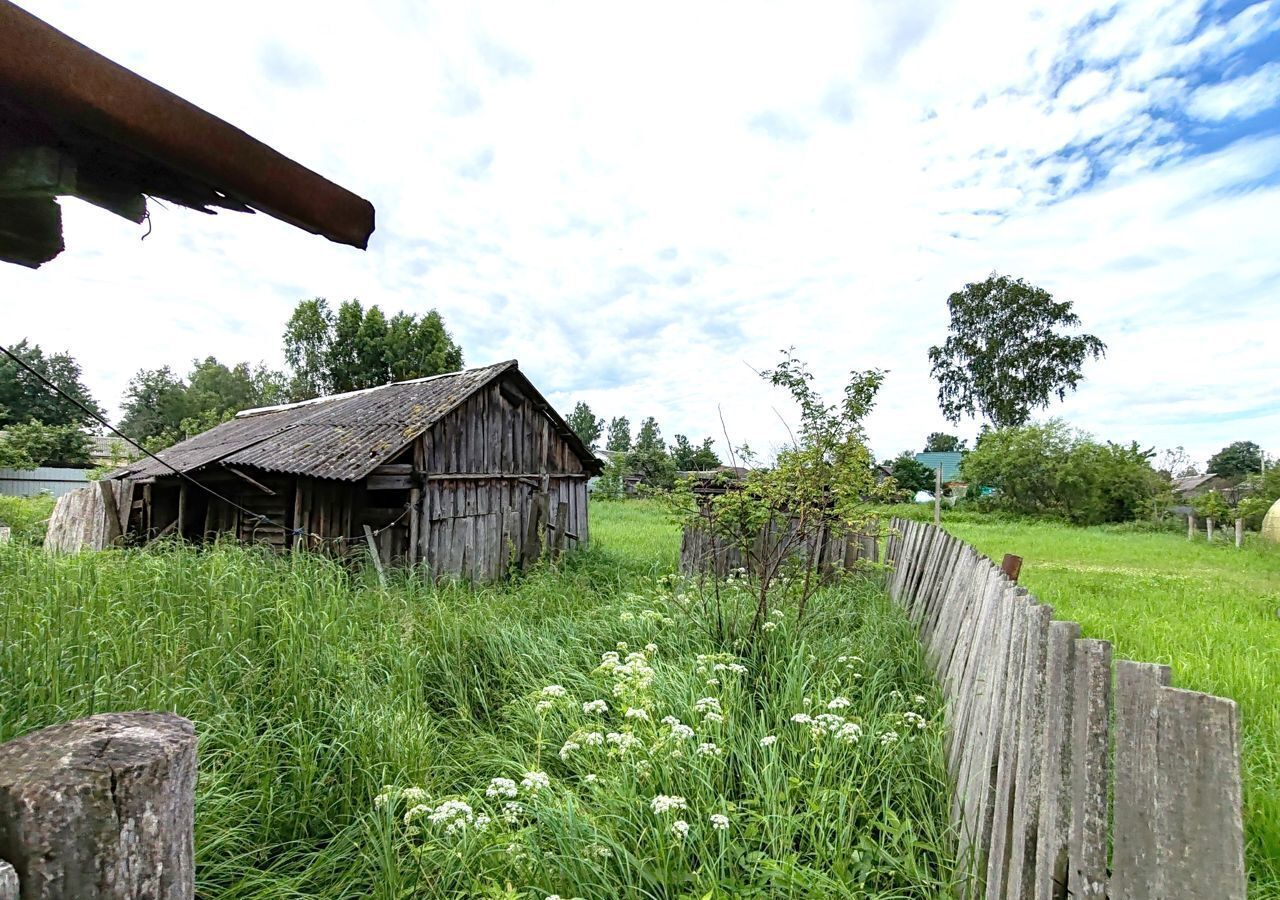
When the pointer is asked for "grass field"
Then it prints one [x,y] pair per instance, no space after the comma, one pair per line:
[1209,612]
[359,741]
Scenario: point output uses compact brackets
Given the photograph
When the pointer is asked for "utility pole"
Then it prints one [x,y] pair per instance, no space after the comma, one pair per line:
[937,497]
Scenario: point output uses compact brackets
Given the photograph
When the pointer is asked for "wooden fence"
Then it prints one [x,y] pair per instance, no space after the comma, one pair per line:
[1071,777]
[830,550]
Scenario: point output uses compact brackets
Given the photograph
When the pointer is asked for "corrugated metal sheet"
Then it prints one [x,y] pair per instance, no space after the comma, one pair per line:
[949,461]
[46,479]
[342,437]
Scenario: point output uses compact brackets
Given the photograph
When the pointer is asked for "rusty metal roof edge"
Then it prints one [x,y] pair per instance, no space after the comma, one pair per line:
[38,62]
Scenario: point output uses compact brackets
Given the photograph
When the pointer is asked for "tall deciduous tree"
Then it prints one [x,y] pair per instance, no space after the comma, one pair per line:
[1239,458]
[155,403]
[161,408]
[911,475]
[308,336]
[585,424]
[24,399]
[1008,352]
[649,437]
[690,457]
[939,442]
[619,440]
[31,444]
[360,348]
[648,457]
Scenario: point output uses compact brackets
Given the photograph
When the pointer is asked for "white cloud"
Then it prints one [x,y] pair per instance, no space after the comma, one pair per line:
[642,203]
[1238,98]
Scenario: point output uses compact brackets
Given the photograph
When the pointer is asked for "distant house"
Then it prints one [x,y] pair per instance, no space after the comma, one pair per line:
[466,474]
[1191,486]
[949,462]
[1187,488]
[111,450]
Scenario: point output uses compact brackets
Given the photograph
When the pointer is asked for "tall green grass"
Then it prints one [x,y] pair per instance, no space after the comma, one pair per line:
[313,688]
[1210,612]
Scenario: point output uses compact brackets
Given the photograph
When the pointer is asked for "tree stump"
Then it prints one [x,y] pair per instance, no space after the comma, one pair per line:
[8,882]
[101,808]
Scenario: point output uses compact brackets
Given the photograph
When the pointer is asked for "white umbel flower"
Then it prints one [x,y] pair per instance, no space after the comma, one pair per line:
[719,821]
[850,732]
[666,802]
[768,740]
[595,707]
[535,781]
[501,787]
[680,828]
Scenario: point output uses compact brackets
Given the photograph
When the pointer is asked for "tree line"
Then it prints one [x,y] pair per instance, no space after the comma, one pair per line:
[327,351]
[646,456]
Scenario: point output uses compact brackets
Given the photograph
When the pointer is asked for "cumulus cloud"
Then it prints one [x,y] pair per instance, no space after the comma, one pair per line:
[1237,98]
[645,204]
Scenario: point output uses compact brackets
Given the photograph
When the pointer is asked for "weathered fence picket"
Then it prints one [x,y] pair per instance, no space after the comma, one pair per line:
[1036,731]
[101,808]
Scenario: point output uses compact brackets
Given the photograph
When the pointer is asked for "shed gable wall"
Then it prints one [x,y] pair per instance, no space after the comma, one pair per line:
[484,466]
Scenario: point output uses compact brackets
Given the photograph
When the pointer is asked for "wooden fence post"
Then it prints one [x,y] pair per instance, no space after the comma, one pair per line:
[1208,527]
[101,808]
[8,882]
[376,555]
[1011,566]
[1239,533]
[937,496]
[1191,526]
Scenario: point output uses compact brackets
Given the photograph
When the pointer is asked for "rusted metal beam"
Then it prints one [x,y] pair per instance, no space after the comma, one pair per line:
[64,81]
[1011,566]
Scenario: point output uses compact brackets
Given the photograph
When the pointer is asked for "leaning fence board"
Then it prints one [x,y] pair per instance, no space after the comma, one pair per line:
[1020,879]
[1199,834]
[1134,850]
[1030,751]
[1090,768]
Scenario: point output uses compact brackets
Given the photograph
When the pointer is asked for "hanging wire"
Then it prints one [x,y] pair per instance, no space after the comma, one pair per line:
[256,517]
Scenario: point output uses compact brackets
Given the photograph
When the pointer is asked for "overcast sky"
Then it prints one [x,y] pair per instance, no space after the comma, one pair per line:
[642,202]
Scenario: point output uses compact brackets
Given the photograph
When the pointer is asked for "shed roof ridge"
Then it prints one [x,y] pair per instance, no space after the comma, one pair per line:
[345,395]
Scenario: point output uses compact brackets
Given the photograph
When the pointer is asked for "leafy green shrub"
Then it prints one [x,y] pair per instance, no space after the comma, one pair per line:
[1051,469]
[26,517]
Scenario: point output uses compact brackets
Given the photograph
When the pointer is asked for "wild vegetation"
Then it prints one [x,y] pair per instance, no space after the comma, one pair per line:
[365,741]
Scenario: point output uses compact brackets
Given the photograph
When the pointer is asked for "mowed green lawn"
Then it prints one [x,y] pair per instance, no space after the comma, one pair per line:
[1209,612]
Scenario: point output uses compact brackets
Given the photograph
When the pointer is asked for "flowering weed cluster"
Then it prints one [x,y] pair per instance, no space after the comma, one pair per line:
[672,760]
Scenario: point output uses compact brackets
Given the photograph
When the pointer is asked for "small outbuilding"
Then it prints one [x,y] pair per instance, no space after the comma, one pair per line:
[467,474]
[1271,524]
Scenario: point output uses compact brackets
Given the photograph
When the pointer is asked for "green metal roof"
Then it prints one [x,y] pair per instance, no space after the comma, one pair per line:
[950,463]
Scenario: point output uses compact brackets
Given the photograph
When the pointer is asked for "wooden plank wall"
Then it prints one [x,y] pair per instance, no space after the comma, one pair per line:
[1039,723]
[80,518]
[484,464]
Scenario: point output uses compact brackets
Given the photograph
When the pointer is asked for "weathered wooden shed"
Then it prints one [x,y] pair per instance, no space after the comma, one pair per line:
[465,473]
